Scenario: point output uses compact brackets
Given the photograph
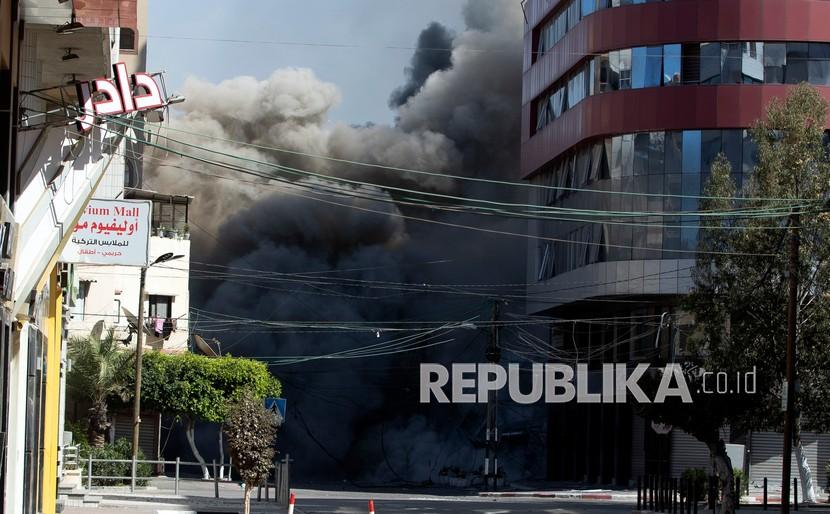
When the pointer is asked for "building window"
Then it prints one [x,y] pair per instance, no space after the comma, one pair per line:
[671,65]
[818,68]
[161,320]
[797,59]
[710,63]
[691,151]
[79,306]
[126,40]
[775,62]
[752,62]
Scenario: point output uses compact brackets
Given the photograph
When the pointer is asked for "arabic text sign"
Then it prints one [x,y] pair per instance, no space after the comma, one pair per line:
[111,232]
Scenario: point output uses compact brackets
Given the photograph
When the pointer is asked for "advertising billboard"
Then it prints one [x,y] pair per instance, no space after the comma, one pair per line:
[115,232]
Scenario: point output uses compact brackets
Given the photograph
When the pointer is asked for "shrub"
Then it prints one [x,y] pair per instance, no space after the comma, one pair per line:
[740,475]
[121,450]
[700,480]
[79,431]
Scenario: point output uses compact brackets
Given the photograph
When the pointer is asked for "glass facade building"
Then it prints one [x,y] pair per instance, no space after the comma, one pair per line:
[625,106]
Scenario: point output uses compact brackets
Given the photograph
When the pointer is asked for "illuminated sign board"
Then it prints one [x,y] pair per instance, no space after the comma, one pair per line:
[111,232]
[121,95]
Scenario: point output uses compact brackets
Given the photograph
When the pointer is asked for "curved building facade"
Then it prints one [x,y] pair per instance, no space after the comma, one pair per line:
[626,103]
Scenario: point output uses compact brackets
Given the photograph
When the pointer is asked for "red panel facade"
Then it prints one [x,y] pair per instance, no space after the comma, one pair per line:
[649,109]
[106,13]
[659,108]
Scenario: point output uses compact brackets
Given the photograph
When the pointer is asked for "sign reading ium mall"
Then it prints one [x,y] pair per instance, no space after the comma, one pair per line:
[113,232]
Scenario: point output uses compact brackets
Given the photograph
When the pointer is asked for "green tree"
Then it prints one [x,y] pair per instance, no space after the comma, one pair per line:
[251,430]
[198,388]
[739,299]
[100,370]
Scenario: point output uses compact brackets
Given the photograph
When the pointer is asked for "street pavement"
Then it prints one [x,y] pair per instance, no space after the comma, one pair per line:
[338,499]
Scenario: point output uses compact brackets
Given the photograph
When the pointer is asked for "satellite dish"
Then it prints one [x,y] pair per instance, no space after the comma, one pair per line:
[97,330]
[202,345]
[150,338]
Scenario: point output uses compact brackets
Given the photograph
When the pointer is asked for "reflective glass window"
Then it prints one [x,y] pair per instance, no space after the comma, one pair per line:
[614,70]
[588,7]
[541,110]
[710,63]
[573,14]
[818,69]
[671,239]
[583,165]
[775,62]
[655,189]
[797,55]
[691,151]
[604,73]
[691,187]
[672,186]
[625,68]
[641,153]
[654,66]
[690,63]
[752,62]
[750,153]
[732,148]
[656,152]
[731,58]
[671,64]
[674,152]
[710,147]
[627,155]
[688,236]
[616,157]
[638,67]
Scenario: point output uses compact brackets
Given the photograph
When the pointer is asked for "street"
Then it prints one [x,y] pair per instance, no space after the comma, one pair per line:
[459,504]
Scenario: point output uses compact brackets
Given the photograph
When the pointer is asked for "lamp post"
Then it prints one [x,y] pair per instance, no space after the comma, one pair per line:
[167,257]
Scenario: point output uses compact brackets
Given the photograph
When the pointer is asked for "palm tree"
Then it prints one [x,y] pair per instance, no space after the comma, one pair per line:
[100,368]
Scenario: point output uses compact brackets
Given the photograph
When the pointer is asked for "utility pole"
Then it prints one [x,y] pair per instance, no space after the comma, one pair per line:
[139,351]
[789,390]
[493,355]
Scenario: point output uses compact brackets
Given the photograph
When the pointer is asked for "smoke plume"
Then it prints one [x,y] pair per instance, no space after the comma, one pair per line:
[428,58]
[458,113]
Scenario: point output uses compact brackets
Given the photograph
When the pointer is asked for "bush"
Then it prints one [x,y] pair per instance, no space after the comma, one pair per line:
[701,481]
[739,475]
[121,450]
[79,430]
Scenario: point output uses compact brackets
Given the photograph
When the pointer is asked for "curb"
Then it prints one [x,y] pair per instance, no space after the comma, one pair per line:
[573,495]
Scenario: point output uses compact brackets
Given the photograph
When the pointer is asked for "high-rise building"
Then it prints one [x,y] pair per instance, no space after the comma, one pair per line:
[625,105]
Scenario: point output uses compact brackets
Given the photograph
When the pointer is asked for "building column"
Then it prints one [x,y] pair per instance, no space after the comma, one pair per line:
[51,428]
[15,450]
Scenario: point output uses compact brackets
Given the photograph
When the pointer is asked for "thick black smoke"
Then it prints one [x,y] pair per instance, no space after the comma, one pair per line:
[427,59]
[360,419]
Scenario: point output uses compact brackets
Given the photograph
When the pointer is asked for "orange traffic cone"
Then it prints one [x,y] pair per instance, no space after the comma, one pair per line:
[371,506]
[291,504]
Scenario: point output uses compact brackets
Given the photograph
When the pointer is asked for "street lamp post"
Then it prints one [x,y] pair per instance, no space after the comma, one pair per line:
[139,350]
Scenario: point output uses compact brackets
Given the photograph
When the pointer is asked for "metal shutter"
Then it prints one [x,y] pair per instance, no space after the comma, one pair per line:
[148,432]
[688,452]
[765,458]
[638,453]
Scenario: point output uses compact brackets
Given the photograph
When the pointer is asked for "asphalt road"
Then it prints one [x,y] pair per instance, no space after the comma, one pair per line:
[319,502]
